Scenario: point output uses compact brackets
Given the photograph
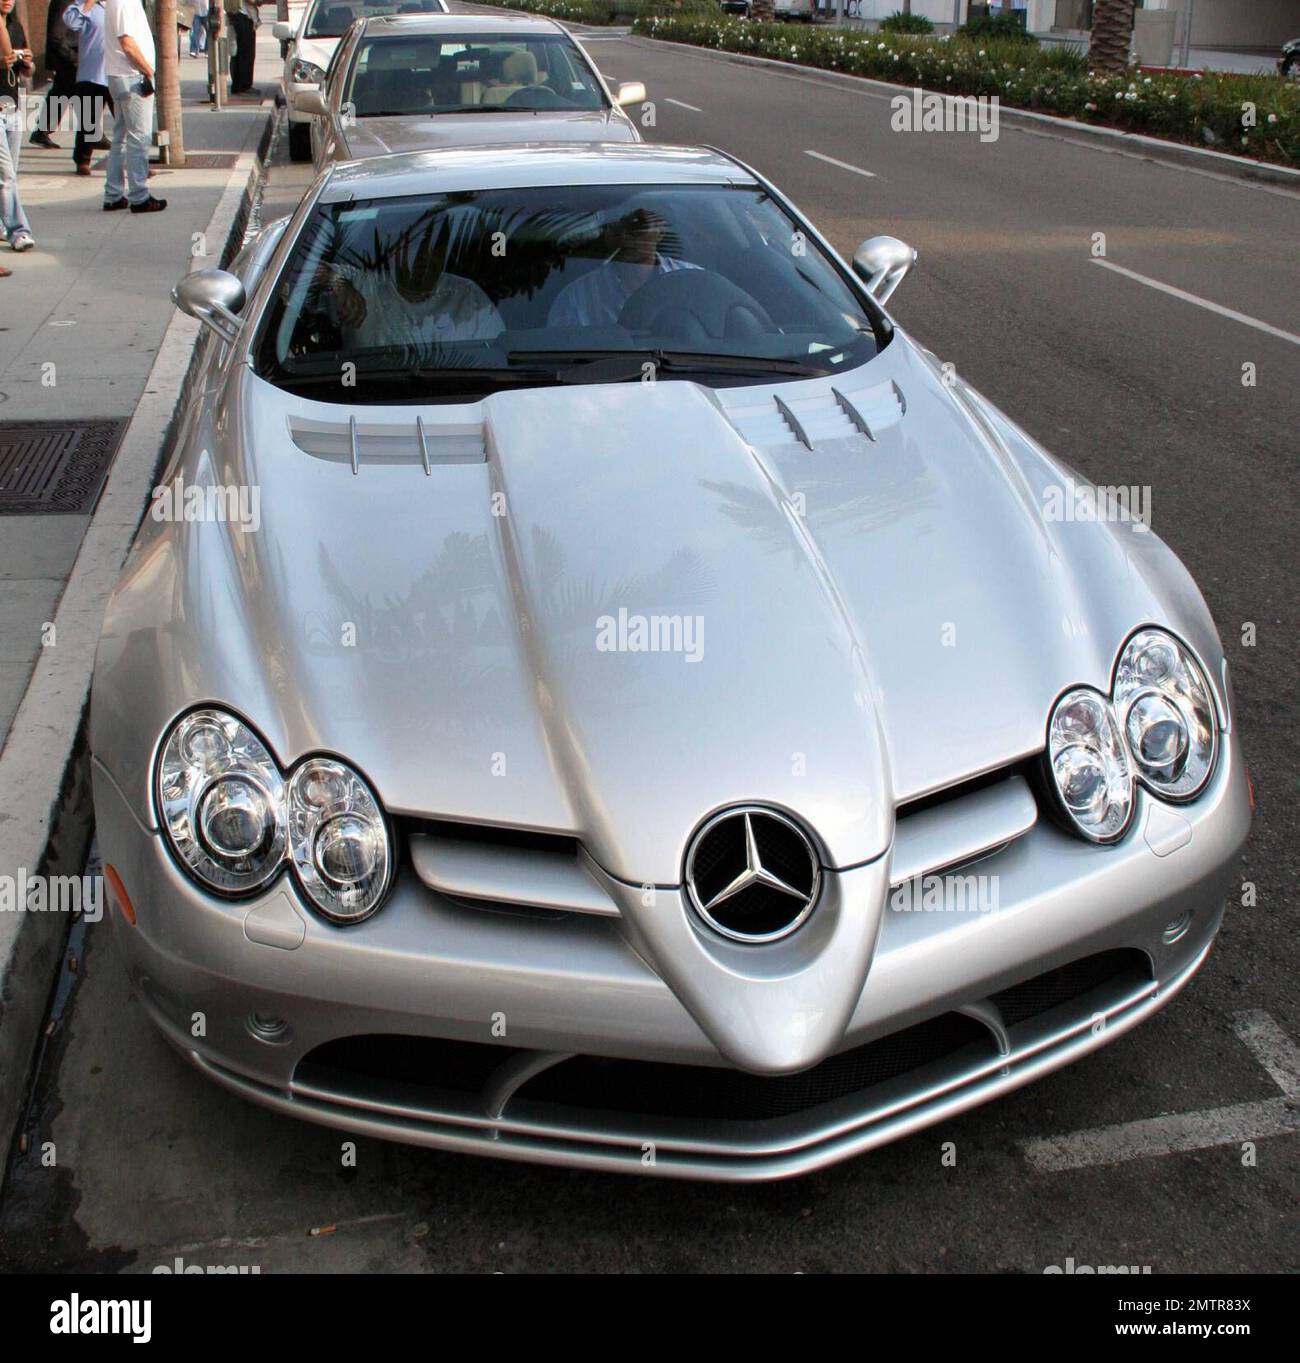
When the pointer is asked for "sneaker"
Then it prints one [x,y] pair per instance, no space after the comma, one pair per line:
[150,205]
[5,272]
[40,139]
[112,205]
[22,241]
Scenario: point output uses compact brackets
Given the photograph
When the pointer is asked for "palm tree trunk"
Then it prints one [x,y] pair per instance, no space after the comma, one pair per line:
[167,83]
[1112,30]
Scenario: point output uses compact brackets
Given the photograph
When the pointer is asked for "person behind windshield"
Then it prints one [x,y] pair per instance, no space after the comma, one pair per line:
[410,300]
[597,298]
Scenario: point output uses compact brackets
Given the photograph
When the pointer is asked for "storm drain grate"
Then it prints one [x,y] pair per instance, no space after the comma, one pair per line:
[55,467]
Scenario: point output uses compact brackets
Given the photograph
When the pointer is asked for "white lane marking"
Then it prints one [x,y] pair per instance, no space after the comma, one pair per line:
[1190,1130]
[1200,302]
[682,105]
[1271,1046]
[843,165]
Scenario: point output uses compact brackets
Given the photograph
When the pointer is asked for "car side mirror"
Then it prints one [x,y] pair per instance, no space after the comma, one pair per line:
[308,99]
[283,32]
[630,92]
[215,298]
[882,263]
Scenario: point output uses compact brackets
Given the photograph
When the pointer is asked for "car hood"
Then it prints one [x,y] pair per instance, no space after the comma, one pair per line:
[424,132]
[610,610]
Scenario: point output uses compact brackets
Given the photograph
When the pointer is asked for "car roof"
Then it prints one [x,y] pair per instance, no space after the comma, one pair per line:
[503,24]
[533,164]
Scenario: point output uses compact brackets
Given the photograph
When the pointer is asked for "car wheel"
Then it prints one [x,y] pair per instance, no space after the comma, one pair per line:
[299,141]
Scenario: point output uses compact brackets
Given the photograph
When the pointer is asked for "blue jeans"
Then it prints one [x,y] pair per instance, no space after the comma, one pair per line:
[132,136]
[12,217]
[198,35]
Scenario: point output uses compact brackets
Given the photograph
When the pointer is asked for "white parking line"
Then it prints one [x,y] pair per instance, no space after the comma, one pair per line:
[1200,302]
[682,105]
[1167,1135]
[843,165]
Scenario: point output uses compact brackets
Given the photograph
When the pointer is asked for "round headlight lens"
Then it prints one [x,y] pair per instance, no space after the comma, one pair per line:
[1165,705]
[221,800]
[338,839]
[1090,765]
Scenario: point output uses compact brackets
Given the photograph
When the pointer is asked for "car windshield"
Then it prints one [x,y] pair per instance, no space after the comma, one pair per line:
[468,73]
[452,295]
[333,18]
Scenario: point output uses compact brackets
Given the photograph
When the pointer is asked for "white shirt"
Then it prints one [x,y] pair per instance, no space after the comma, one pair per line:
[456,310]
[125,19]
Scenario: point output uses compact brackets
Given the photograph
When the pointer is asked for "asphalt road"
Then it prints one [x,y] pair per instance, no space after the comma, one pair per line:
[1129,384]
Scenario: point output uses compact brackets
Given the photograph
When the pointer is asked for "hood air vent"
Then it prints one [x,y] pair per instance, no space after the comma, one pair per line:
[364,442]
[814,418]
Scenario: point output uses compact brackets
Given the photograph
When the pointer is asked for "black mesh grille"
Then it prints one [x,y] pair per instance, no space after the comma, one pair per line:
[463,1066]
[1044,992]
[647,1087]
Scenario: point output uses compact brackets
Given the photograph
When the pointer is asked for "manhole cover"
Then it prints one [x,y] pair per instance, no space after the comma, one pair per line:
[55,467]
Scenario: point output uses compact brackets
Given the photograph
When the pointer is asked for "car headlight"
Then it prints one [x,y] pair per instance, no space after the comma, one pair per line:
[221,799]
[338,839]
[305,73]
[1164,704]
[234,821]
[1090,764]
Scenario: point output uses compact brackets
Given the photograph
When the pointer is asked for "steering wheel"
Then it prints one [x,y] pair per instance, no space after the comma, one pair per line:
[694,306]
[536,97]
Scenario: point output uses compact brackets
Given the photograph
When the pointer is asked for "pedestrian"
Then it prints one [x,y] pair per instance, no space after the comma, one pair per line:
[199,29]
[245,17]
[85,18]
[61,58]
[16,66]
[128,63]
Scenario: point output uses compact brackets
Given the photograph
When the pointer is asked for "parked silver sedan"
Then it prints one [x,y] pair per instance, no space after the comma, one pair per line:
[411,83]
[592,689]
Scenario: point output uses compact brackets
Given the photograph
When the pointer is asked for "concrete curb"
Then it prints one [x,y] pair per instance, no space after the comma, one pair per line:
[45,813]
[1082,134]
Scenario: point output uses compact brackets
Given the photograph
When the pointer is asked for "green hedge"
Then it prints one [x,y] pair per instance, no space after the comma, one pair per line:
[906,23]
[1204,111]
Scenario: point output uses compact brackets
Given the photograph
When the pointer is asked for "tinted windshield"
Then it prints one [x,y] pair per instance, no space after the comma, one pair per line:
[440,296]
[468,73]
[333,18]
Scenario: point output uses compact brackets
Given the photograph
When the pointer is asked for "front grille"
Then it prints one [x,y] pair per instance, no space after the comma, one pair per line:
[1044,992]
[700,1091]
[427,1062]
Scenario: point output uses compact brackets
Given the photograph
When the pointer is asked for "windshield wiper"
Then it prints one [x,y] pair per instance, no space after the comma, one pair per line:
[671,361]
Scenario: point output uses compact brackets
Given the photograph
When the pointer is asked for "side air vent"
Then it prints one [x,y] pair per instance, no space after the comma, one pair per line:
[420,444]
[940,833]
[500,867]
[814,418]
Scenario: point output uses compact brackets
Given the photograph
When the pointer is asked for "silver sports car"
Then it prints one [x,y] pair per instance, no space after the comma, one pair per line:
[590,688]
[412,83]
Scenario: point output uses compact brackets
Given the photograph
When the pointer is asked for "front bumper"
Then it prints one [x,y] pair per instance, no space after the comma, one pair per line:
[539,990]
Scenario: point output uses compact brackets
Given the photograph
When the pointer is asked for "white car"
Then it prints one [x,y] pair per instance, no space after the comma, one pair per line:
[310,47]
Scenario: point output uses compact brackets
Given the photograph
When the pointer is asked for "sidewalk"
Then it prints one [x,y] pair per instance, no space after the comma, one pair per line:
[92,301]
[88,333]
